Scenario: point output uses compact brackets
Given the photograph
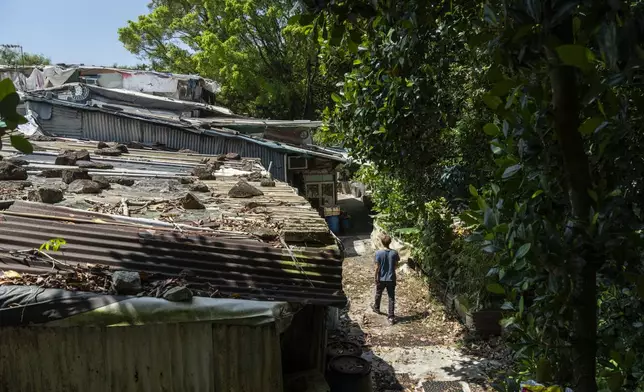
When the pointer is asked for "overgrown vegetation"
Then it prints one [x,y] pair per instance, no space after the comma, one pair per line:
[9,117]
[537,105]
[9,56]
[265,68]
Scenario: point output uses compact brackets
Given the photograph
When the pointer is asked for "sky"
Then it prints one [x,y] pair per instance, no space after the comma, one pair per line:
[71,31]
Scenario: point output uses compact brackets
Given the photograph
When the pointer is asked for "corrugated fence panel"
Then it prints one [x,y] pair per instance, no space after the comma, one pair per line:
[107,127]
[94,125]
[199,357]
[65,122]
[253,358]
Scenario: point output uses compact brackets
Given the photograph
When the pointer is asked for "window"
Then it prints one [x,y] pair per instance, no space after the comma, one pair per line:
[297,163]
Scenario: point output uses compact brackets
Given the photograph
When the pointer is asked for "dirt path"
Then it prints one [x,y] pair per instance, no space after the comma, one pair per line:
[426,343]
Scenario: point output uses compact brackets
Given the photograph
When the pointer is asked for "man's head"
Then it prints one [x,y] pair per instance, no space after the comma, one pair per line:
[386,240]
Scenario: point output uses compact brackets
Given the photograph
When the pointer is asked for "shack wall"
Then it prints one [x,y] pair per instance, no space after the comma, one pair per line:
[304,341]
[101,126]
[198,357]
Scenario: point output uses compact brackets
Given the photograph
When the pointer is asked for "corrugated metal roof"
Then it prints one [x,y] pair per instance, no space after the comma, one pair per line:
[234,268]
[167,127]
[229,258]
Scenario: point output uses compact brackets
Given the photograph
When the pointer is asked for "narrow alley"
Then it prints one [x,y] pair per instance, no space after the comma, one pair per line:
[428,349]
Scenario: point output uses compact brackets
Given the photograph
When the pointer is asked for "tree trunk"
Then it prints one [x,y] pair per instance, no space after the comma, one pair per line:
[583,269]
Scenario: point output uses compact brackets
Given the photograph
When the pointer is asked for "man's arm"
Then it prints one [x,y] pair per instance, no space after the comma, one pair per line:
[377,276]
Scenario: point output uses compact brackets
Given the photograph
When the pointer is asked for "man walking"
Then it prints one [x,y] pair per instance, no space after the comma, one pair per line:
[386,263]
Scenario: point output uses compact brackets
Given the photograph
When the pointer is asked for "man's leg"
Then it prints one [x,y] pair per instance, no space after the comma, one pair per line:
[391,293]
[380,287]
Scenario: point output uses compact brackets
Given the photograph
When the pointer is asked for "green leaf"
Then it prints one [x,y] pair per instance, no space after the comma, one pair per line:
[491,129]
[537,193]
[306,19]
[510,171]
[523,250]
[576,56]
[21,144]
[592,125]
[473,190]
[336,34]
[521,306]
[507,306]
[489,15]
[615,381]
[593,195]
[495,189]
[495,288]
[502,88]
[295,19]
[6,88]
[506,322]
[492,101]
[615,193]
[469,219]
[336,98]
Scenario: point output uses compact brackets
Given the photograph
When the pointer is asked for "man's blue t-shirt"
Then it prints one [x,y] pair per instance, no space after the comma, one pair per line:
[387,260]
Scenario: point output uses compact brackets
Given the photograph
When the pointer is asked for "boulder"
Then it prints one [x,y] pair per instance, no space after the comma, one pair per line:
[186,180]
[47,195]
[122,148]
[233,156]
[244,190]
[11,172]
[84,186]
[126,282]
[71,175]
[82,155]
[191,202]
[18,161]
[102,145]
[51,173]
[265,234]
[178,294]
[267,183]
[204,172]
[253,176]
[103,182]
[94,165]
[134,144]
[41,138]
[121,181]
[199,187]
[108,152]
[66,158]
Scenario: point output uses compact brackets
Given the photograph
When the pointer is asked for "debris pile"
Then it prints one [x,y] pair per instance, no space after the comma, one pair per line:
[244,190]
[49,195]
[84,186]
[11,172]
[70,157]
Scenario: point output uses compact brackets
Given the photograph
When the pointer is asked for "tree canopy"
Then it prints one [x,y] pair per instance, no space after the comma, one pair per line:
[536,105]
[13,57]
[264,67]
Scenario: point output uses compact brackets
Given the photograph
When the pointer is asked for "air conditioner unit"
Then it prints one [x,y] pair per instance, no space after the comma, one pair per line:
[298,163]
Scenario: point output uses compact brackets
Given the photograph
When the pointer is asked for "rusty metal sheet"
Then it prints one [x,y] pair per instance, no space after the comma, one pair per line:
[243,268]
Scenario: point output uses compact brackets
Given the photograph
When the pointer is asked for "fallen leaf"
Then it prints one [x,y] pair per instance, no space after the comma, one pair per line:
[11,274]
